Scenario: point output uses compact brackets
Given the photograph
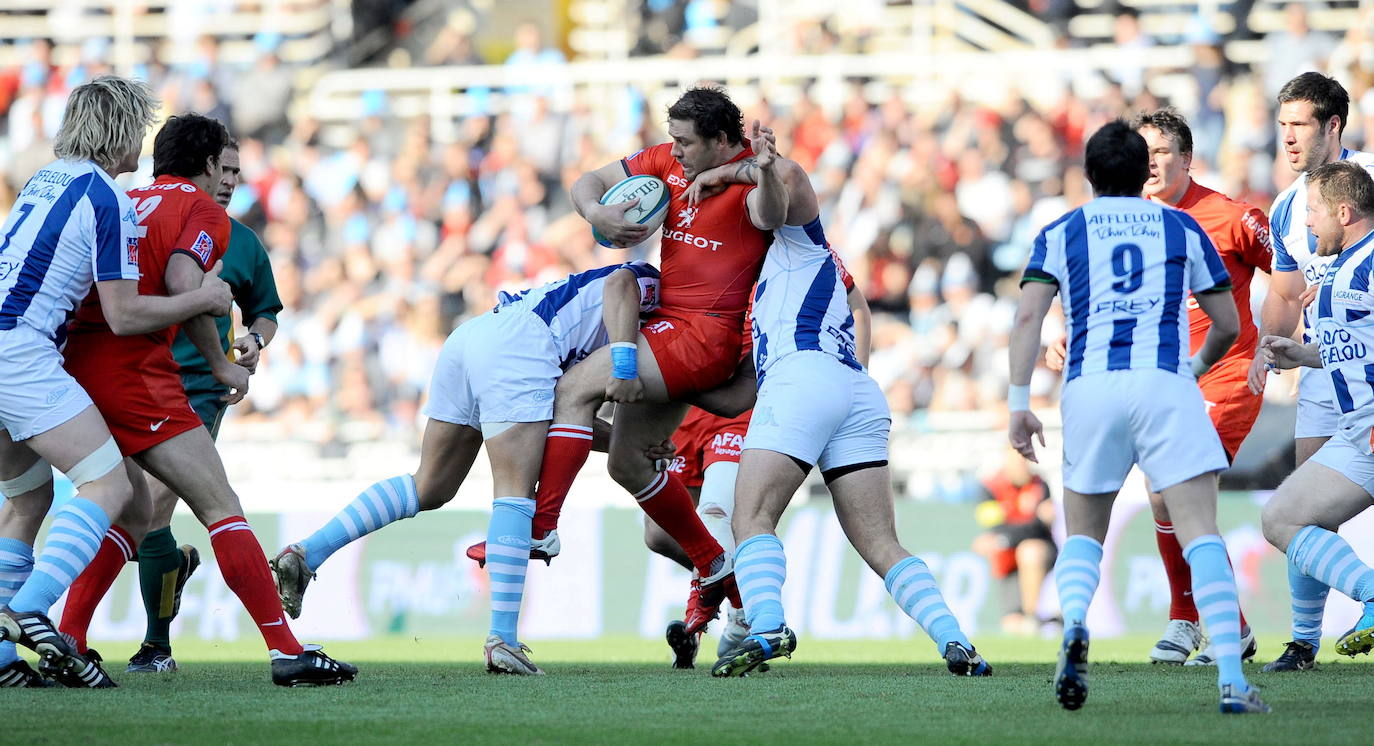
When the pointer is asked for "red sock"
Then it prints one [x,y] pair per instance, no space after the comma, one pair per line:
[94,582]
[244,567]
[1181,604]
[667,501]
[565,452]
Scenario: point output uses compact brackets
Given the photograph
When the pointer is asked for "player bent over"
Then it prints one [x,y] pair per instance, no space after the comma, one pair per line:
[1123,267]
[70,227]
[494,383]
[136,384]
[817,406]
[164,567]
[1337,483]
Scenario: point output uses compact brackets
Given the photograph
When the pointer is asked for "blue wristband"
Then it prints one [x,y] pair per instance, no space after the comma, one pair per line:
[624,360]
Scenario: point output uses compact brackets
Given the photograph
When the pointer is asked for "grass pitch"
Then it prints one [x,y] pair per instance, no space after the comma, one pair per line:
[613,691]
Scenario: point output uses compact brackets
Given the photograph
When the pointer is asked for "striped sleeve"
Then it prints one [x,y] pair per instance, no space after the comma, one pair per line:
[115,252]
[1041,265]
[1279,218]
[647,276]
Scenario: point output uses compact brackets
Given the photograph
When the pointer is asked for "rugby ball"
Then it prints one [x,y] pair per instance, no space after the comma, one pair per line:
[651,210]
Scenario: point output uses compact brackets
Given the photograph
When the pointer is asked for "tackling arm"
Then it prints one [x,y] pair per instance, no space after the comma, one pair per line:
[129,313]
[863,324]
[184,275]
[620,313]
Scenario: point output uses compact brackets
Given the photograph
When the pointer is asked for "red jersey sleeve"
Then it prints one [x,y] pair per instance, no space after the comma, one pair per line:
[1257,248]
[205,236]
[656,160]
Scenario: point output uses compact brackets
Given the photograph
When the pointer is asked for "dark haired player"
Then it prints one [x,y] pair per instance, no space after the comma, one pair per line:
[1240,233]
[164,567]
[1313,110]
[136,384]
[1123,268]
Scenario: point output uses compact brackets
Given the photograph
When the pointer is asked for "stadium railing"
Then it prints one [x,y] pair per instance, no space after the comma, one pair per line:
[304,25]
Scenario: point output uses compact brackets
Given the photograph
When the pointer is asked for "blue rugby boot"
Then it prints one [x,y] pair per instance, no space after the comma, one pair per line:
[1071,676]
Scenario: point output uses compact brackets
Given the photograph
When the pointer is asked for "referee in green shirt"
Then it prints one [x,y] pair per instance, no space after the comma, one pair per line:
[163,567]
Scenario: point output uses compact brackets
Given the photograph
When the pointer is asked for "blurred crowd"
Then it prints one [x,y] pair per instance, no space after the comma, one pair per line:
[383,243]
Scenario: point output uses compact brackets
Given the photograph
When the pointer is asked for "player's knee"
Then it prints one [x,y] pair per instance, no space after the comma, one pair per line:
[1032,553]
[631,471]
[1277,523]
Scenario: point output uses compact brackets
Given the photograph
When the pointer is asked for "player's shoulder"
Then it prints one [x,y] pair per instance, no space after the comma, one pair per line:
[1361,157]
[1285,198]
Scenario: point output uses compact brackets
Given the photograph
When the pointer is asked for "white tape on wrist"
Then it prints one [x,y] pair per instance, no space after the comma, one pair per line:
[1018,398]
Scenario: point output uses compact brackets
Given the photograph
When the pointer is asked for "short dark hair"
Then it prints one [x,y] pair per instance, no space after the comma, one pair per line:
[185,142]
[1328,97]
[1343,182]
[711,113]
[1170,123]
[1117,160]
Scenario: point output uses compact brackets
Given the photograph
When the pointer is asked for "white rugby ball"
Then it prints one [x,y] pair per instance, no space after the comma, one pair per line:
[651,210]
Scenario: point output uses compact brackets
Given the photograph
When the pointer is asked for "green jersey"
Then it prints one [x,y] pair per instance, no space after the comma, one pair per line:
[248,272]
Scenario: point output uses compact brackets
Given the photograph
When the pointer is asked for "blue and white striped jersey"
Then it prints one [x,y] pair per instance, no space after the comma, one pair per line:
[1125,266]
[572,307]
[70,226]
[1295,248]
[801,300]
[1344,330]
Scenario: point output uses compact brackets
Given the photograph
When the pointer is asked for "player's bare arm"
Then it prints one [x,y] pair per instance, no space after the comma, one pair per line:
[620,312]
[1279,315]
[249,351]
[1286,353]
[1220,307]
[183,276]
[1036,298]
[129,313]
[768,204]
[608,219]
[863,324]
[732,398]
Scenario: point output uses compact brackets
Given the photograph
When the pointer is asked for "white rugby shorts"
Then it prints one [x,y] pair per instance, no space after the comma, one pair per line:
[816,409]
[1150,417]
[499,367]
[1352,461]
[36,395]
[1317,415]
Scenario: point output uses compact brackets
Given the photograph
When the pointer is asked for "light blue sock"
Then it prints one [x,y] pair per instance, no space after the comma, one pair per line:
[1308,598]
[914,589]
[77,529]
[1076,575]
[760,570]
[508,556]
[1214,592]
[1326,557]
[16,562]
[385,502]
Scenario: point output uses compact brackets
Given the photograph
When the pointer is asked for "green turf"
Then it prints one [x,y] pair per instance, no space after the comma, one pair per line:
[623,691]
